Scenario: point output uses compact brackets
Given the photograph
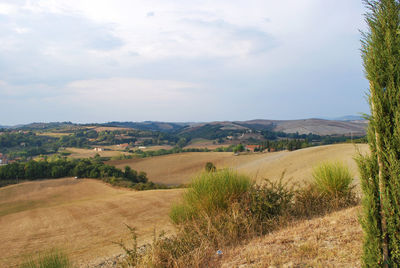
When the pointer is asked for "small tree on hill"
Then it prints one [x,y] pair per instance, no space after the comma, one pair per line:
[238,148]
[210,167]
[380,172]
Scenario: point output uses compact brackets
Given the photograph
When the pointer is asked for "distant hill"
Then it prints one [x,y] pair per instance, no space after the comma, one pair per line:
[45,126]
[320,126]
[150,125]
[347,125]
[349,118]
[304,126]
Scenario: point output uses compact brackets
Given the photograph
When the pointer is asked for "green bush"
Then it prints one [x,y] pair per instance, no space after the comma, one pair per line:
[268,201]
[210,193]
[51,259]
[210,167]
[331,189]
[333,179]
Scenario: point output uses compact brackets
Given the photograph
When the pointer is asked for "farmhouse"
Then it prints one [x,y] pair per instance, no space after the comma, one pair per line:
[98,149]
[252,148]
[123,145]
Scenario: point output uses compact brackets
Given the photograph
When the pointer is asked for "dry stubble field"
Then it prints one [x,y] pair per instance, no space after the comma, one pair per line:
[85,153]
[180,168]
[82,217]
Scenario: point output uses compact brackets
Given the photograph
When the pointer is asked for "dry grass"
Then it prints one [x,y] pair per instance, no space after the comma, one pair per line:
[85,153]
[53,134]
[331,241]
[175,168]
[82,217]
[100,129]
[179,168]
[155,147]
[204,143]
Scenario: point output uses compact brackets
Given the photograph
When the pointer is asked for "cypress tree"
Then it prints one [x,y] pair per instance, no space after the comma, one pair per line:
[380,171]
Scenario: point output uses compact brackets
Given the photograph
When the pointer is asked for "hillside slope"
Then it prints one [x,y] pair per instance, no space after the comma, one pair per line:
[297,165]
[331,241]
[82,217]
[301,126]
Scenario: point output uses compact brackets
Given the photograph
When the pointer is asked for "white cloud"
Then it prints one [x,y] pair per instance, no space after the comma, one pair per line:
[21,30]
[7,9]
[85,52]
[119,89]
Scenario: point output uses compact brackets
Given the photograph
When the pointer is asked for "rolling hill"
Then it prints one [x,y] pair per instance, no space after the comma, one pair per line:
[347,126]
[82,217]
[297,165]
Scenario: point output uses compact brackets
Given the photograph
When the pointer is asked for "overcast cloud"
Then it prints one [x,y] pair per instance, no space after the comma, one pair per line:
[124,60]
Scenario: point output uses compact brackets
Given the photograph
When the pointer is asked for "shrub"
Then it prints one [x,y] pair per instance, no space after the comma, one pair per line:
[51,259]
[210,167]
[331,189]
[210,193]
[221,208]
[268,201]
[333,179]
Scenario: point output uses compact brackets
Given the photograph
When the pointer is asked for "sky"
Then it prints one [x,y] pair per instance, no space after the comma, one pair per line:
[178,61]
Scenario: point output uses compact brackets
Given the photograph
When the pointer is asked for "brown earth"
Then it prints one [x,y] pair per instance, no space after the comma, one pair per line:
[81,217]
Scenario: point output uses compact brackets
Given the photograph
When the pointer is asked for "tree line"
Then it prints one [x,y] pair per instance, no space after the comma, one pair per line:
[62,167]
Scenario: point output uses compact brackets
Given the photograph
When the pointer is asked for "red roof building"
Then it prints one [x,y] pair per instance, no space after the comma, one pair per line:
[252,148]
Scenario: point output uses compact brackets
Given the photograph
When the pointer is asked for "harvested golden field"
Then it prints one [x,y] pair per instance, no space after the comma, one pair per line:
[204,143]
[85,153]
[331,241]
[82,217]
[100,129]
[147,148]
[180,168]
[154,148]
[174,168]
[54,134]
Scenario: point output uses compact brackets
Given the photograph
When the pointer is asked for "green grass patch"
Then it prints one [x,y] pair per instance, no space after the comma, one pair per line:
[50,259]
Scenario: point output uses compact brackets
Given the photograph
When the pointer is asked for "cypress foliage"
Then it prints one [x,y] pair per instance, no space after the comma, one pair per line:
[380,171]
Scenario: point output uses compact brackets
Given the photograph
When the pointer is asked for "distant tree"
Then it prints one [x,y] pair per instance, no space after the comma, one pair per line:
[210,167]
[142,177]
[182,142]
[380,171]
[238,148]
